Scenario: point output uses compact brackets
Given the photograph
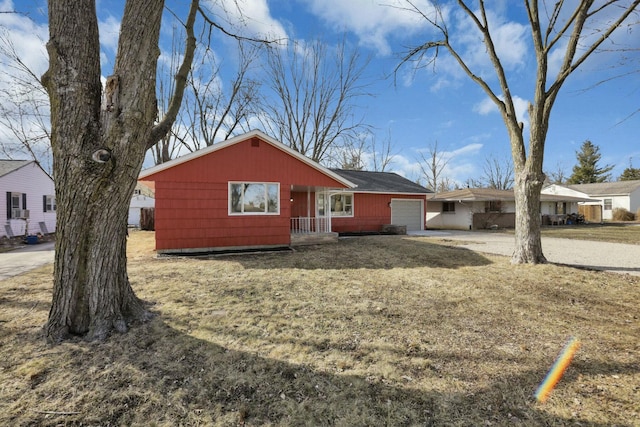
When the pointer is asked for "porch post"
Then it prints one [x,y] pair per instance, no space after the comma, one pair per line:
[327,210]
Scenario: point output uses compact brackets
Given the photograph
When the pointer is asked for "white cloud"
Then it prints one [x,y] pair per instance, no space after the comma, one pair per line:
[252,18]
[509,38]
[109,32]
[373,21]
[487,106]
[26,37]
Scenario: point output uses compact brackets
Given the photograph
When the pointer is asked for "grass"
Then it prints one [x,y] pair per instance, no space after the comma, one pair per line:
[608,232]
[372,331]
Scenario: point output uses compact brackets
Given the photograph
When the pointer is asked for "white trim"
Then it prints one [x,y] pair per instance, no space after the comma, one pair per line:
[240,138]
[266,185]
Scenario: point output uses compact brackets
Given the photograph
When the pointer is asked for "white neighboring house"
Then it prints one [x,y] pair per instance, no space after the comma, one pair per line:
[479,208]
[30,199]
[142,198]
[608,196]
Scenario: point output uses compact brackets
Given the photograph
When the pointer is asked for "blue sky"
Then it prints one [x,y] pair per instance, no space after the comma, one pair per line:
[434,104]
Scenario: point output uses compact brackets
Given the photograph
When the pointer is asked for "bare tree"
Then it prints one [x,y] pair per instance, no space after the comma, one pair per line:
[558,175]
[382,154]
[315,91]
[561,30]
[433,163]
[212,110]
[365,153]
[24,110]
[498,173]
[215,112]
[99,143]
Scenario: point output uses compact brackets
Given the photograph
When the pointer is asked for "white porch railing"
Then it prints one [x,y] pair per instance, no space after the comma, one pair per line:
[310,225]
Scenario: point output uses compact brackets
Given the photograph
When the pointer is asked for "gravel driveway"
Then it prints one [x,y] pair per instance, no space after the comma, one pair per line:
[613,257]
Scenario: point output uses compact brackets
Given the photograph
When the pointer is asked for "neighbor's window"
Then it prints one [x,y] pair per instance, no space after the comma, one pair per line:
[15,200]
[254,198]
[493,206]
[607,204]
[561,208]
[342,204]
[449,207]
[49,203]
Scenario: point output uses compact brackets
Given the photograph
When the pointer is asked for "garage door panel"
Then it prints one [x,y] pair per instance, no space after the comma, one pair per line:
[407,212]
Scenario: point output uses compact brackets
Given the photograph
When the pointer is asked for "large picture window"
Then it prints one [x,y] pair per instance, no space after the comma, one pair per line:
[254,198]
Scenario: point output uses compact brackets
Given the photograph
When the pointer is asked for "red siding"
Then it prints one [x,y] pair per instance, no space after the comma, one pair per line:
[192,197]
[371,212]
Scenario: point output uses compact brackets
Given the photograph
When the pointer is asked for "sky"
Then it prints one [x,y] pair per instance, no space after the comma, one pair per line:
[419,107]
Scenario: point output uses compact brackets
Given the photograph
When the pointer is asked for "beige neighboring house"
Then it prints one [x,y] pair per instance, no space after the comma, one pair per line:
[482,208]
[605,197]
[30,199]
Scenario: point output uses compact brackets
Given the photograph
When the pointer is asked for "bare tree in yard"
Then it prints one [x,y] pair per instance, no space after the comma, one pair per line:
[433,163]
[212,110]
[24,111]
[366,153]
[315,91]
[498,173]
[99,143]
[215,112]
[575,33]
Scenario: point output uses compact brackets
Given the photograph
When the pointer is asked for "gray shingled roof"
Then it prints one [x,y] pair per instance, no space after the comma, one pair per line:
[381,182]
[7,166]
[607,188]
[490,194]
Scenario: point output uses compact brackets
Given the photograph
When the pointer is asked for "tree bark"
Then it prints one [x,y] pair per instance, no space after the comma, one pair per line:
[98,147]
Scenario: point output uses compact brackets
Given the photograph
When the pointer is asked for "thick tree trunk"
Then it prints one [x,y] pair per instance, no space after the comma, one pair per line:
[528,244]
[98,146]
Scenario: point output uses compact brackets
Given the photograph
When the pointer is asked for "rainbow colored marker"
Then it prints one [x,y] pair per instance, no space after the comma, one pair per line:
[558,368]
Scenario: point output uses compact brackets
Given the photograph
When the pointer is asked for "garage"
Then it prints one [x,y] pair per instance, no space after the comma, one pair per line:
[408,212]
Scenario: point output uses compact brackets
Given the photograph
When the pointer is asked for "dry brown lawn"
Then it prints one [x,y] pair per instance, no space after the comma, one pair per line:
[608,232]
[371,331]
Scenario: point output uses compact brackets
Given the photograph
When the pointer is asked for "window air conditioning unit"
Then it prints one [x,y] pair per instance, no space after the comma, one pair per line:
[20,213]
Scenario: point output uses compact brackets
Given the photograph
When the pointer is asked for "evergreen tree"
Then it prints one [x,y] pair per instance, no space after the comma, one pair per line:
[630,173]
[587,170]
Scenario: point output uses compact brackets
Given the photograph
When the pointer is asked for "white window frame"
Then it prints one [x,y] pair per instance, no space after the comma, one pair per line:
[13,196]
[344,214]
[242,204]
[607,204]
[51,203]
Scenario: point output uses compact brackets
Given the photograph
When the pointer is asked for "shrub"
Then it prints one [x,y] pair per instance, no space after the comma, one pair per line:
[621,214]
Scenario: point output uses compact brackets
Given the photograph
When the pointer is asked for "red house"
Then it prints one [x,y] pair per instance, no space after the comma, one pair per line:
[252,191]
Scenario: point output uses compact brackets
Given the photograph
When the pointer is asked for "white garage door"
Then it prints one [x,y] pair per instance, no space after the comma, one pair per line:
[407,212]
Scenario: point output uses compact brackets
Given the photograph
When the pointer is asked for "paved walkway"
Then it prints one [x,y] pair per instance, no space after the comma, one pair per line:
[24,259]
[614,257]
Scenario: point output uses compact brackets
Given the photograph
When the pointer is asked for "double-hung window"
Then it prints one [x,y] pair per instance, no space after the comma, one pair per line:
[608,204]
[49,203]
[254,198]
[16,205]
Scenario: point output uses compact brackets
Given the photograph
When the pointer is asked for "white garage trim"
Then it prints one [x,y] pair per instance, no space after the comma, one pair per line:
[409,212]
